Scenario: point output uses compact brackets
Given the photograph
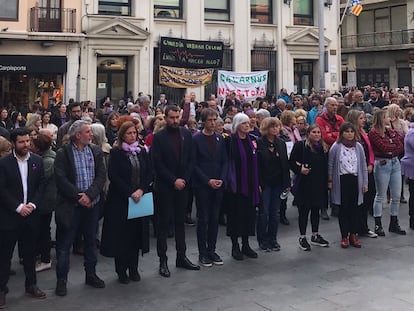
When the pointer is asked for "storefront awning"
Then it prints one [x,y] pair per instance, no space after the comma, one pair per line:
[32,64]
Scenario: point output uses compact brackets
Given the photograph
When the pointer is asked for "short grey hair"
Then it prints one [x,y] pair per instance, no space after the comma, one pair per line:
[144,98]
[330,99]
[262,113]
[76,127]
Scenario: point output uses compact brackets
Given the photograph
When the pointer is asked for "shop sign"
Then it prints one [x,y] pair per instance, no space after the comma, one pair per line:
[250,84]
[184,77]
[32,64]
[190,53]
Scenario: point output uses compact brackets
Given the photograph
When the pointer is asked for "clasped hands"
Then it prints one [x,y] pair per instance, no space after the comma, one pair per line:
[215,183]
[84,200]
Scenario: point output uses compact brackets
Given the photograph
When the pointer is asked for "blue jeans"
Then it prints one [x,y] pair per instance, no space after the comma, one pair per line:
[269,215]
[87,220]
[387,173]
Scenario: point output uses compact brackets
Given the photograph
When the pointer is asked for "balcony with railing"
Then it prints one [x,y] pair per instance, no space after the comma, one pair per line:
[46,19]
[371,41]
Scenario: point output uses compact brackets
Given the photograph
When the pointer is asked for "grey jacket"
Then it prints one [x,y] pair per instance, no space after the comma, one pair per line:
[333,172]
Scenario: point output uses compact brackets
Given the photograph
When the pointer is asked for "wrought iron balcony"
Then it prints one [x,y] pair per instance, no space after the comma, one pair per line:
[377,39]
[52,19]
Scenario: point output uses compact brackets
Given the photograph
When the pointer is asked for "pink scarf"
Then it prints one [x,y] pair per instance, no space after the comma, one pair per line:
[131,149]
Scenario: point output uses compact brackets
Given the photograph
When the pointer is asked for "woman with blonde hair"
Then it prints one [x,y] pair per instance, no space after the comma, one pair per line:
[274,179]
[387,145]
[34,120]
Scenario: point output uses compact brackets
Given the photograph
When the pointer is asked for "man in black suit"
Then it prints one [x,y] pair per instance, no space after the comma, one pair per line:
[173,162]
[21,186]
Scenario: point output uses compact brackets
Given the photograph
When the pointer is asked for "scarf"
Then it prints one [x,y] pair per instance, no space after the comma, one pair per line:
[131,149]
[348,143]
[317,147]
[244,185]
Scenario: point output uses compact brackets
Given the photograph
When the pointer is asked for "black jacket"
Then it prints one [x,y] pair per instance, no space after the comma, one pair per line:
[273,163]
[167,167]
[208,166]
[67,193]
[11,189]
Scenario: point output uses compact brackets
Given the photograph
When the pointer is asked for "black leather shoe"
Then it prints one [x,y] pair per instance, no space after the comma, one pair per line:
[247,251]
[35,292]
[61,289]
[164,271]
[236,253]
[123,278]
[185,263]
[94,281]
[2,300]
[134,275]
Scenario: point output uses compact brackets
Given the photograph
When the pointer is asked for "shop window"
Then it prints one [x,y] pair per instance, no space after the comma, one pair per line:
[261,11]
[217,10]
[9,10]
[303,12]
[115,7]
[168,9]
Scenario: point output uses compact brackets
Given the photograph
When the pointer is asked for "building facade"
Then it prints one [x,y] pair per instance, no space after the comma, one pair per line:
[378,45]
[112,48]
[39,51]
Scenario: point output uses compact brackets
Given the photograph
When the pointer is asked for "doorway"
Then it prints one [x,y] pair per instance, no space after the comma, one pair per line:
[111,79]
[303,80]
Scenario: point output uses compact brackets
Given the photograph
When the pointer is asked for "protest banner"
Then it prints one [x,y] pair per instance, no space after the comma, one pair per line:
[184,77]
[250,84]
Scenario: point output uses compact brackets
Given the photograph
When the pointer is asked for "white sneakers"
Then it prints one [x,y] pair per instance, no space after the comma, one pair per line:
[42,266]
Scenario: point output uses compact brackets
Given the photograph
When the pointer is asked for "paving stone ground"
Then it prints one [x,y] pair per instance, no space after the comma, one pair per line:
[379,276]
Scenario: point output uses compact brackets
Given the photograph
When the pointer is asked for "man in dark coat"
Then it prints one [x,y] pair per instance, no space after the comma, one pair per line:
[80,177]
[209,175]
[21,188]
[173,163]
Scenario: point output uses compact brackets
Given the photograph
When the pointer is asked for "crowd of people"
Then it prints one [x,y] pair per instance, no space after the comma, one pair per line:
[351,151]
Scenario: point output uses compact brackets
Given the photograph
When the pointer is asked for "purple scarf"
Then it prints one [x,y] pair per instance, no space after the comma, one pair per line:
[244,185]
[131,149]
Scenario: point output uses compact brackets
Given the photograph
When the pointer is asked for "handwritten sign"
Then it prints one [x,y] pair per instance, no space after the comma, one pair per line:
[185,77]
[191,53]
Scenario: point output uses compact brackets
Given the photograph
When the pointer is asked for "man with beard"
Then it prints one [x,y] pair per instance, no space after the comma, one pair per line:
[21,186]
[173,162]
[80,176]
[75,112]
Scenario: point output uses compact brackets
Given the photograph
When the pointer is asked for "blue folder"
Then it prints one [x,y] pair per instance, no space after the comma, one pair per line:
[144,207]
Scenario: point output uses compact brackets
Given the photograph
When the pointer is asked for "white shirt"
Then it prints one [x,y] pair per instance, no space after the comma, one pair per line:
[348,163]
[192,109]
[23,169]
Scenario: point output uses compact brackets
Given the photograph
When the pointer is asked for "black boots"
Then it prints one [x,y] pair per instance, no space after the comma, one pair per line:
[395,227]
[378,227]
